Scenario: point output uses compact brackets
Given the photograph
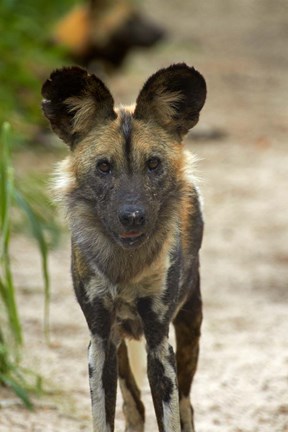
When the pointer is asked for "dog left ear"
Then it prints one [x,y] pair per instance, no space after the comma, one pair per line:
[173,98]
[74,102]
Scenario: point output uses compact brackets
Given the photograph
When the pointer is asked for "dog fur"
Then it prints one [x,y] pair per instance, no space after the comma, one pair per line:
[135,218]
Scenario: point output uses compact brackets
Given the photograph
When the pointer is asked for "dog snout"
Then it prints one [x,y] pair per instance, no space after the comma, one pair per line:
[131,216]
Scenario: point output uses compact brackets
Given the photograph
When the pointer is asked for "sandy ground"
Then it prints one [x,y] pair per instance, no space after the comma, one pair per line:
[242,379]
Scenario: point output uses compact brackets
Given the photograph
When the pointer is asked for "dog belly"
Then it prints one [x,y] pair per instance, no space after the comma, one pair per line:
[131,329]
[127,323]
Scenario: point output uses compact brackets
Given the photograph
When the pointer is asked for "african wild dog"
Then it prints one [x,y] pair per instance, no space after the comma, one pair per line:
[136,224]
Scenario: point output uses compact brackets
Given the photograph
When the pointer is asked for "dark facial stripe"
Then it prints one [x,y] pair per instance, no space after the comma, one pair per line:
[126,125]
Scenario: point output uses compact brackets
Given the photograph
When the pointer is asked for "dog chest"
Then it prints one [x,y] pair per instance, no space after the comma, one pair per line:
[121,300]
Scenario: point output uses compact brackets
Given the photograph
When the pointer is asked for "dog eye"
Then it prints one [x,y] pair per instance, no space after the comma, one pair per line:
[153,163]
[104,167]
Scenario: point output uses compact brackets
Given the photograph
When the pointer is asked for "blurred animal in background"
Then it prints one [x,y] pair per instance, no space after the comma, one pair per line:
[105,31]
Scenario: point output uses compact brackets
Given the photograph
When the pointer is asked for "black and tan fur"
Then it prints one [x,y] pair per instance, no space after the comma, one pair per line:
[136,225]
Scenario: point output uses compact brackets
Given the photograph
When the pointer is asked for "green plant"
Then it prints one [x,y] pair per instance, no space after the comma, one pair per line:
[17,195]
[14,376]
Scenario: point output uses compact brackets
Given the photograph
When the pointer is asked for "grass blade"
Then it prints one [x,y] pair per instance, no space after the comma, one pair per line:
[18,390]
[6,186]
[38,235]
[7,290]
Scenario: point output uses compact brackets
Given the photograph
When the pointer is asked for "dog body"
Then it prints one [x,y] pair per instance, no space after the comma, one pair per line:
[136,224]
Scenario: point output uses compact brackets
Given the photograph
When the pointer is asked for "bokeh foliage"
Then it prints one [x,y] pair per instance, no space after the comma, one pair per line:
[26,57]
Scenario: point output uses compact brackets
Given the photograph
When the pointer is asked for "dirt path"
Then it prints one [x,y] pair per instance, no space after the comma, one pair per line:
[242,381]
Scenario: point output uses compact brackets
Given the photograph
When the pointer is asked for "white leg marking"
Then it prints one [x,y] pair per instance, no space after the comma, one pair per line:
[96,358]
[171,416]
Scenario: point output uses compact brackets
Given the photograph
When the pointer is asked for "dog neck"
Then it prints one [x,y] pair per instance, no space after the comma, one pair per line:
[118,265]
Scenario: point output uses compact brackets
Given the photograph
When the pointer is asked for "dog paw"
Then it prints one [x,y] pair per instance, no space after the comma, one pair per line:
[187,428]
[135,428]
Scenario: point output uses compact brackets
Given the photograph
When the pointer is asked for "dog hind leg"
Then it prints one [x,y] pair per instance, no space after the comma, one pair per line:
[133,407]
[187,330]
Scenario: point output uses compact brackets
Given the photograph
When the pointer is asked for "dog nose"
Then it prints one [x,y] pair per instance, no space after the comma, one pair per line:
[131,216]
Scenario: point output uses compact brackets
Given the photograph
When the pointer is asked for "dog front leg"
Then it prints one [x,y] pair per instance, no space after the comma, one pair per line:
[103,382]
[102,359]
[163,383]
[161,367]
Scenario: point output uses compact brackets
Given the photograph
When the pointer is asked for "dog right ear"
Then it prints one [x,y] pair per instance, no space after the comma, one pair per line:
[74,102]
[173,98]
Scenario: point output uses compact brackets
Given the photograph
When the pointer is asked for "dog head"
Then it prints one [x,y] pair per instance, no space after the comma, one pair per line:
[124,174]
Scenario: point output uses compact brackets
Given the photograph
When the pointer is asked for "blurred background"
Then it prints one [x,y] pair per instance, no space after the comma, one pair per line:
[241,48]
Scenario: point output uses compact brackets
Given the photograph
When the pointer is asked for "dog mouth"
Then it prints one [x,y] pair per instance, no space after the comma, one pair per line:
[131,238]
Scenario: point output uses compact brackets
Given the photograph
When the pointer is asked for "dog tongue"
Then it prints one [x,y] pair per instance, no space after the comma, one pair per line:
[130,234]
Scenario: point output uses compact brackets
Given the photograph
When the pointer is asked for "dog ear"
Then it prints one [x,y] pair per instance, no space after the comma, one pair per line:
[74,102]
[173,98]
